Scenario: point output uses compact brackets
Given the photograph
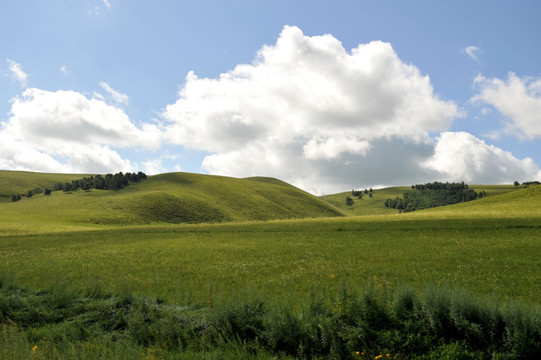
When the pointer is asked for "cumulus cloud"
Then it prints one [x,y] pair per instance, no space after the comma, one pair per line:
[65,131]
[306,106]
[17,73]
[519,99]
[472,53]
[153,166]
[117,96]
[460,156]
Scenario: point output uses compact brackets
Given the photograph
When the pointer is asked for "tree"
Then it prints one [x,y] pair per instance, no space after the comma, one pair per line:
[516,183]
[349,201]
[47,191]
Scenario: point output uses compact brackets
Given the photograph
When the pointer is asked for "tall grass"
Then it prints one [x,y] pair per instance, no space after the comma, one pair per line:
[437,323]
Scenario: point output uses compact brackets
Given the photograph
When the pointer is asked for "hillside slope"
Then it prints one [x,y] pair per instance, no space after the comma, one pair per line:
[13,182]
[165,198]
[375,205]
[515,203]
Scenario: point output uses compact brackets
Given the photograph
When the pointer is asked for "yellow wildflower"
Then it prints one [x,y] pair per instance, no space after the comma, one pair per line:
[378,357]
[35,348]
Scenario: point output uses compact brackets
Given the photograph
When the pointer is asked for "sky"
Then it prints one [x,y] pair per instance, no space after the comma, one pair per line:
[328,96]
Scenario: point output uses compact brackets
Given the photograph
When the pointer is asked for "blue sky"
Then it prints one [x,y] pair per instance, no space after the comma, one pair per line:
[326,95]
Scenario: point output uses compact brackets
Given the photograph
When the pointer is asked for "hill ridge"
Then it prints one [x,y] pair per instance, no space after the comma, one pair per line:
[165,198]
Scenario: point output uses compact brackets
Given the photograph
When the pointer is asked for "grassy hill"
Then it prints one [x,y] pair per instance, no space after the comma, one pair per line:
[367,205]
[510,202]
[13,182]
[375,205]
[165,198]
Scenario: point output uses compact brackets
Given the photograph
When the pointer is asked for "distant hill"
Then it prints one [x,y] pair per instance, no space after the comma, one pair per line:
[375,205]
[165,198]
[523,202]
[367,205]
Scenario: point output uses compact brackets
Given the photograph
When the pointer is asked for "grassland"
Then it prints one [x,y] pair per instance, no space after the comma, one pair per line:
[285,260]
[489,248]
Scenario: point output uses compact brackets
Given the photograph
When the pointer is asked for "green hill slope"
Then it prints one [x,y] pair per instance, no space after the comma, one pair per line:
[165,198]
[367,205]
[375,205]
[13,182]
[514,203]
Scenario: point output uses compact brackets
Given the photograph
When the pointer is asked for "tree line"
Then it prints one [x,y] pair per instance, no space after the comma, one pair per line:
[107,182]
[434,194]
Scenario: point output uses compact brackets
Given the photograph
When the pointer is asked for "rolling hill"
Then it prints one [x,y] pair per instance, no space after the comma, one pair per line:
[13,182]
[165,198]
[375,205]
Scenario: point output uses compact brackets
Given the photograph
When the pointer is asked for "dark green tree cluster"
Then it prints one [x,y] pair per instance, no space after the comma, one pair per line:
[107,182]
[360,193]
[349,201]
[432,195]
[17,197]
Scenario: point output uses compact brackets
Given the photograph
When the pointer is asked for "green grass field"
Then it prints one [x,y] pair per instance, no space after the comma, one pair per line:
[284,260]
[138,241]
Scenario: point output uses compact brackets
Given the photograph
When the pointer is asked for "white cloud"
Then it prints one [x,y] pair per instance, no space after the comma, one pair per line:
[64,70]
[472,53]
[69,132]
[305,107]
[117,97]
[98,6]
[17,73]
[153,166]
[460,156]
[44,117]
[519,99]
[15,155]
[332,148]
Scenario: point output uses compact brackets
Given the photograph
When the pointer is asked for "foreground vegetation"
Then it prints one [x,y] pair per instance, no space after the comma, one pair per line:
[374,324]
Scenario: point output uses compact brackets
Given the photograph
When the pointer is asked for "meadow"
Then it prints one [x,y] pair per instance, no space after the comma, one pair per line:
[298,288]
